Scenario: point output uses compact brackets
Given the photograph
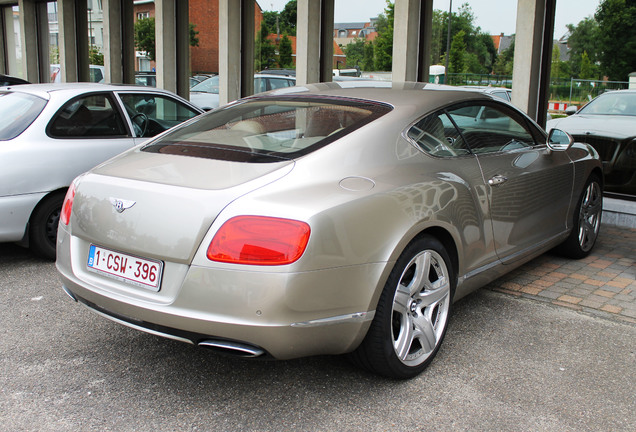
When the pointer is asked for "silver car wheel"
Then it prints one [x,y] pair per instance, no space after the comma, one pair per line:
[420,308]
[590,215]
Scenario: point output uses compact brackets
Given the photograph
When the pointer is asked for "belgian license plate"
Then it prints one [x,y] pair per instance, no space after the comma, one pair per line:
[138,271]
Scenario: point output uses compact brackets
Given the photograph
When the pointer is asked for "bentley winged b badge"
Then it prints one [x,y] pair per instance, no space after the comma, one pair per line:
[120,204]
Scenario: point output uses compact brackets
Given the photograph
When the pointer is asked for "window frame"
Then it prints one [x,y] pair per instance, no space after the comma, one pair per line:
[538,135]
[115,106]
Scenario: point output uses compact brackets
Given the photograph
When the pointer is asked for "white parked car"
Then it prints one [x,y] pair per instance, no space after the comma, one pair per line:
[50,133]
[205,95]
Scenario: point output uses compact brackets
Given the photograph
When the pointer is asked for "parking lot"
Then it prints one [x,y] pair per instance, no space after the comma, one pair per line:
[513,359]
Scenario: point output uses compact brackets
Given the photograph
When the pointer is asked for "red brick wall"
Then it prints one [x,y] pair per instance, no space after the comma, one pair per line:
[205,15]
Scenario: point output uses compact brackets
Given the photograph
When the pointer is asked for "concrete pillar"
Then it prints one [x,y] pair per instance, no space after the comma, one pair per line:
[183,48]
[308,42]
[314,41]
[247,47]
[4,69]
[236,49]
[119,44]
[73,40]
[42,19]
[326,40]
[29,36]
[166,44]
[172,49]
[413,22]
[533,56]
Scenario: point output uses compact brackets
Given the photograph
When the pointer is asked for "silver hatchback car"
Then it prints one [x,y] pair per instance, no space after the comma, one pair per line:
[50,133]
[325,220]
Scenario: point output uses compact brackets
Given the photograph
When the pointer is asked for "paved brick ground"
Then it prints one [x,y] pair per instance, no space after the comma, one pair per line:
[603,284]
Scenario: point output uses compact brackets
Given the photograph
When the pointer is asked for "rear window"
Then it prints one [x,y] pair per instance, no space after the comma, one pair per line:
[18,111]
[268,130]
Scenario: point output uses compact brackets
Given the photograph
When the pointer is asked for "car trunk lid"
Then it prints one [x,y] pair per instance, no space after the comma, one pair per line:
[161,206]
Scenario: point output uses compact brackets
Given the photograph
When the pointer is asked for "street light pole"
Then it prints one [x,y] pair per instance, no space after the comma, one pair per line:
[450,9]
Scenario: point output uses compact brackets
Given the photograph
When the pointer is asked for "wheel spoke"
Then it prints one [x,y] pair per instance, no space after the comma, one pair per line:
[420,277]
[430,298]
[405,337]
[425,333]
[402,300]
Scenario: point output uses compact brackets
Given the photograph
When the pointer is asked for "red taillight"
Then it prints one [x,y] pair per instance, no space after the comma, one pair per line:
[67,206]
[259,240]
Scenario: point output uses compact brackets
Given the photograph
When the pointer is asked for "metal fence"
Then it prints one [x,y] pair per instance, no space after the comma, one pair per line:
[574,91]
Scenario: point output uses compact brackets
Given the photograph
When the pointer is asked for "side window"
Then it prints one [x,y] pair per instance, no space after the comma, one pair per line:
[436,135]
[88,116]
[96,75]
[152,114]
[260,85]
[275,83]
[489,127]
[502,94]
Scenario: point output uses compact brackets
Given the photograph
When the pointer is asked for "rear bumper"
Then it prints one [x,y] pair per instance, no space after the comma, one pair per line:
[286,315]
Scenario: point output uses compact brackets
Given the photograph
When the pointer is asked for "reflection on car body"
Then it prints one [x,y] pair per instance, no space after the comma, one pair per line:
[325,219]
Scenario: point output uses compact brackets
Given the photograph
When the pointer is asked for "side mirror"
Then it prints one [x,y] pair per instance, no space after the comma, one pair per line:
[572,109]
[559,140]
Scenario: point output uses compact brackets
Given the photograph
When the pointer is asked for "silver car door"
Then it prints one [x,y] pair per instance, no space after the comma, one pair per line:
[91,128]
[529,187]
[150,114]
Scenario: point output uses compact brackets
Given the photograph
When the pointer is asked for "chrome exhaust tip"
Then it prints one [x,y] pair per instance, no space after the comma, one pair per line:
[232,348]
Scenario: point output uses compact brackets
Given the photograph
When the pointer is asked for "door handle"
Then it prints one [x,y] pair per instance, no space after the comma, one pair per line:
[497,180]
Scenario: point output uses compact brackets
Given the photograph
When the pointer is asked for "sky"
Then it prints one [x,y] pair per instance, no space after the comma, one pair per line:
[493,16]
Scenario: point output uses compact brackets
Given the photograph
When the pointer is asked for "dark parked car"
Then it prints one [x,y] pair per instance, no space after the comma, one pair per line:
[608,123]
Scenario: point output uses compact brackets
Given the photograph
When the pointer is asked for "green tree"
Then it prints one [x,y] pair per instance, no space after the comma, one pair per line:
[288,18]
[559,69]
[583,37]
[264,50]
[505,61]
[617,23]
[480,48]
[145,36]
[457,59]
[383,44]
[95,56]
[588,69]
[354,52]
[285,52]
[367,60]
[270,18]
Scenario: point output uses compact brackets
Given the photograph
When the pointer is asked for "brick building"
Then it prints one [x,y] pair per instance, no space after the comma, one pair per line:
[204,14]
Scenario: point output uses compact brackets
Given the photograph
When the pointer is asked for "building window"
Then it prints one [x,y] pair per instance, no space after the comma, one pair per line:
[143,15]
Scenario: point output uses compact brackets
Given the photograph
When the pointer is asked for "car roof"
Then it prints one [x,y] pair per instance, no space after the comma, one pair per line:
[423,95]
[45,90]
[279,76]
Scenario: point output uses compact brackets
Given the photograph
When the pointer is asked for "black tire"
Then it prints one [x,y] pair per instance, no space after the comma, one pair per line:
[587,221]
[43,226]
[410,323]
